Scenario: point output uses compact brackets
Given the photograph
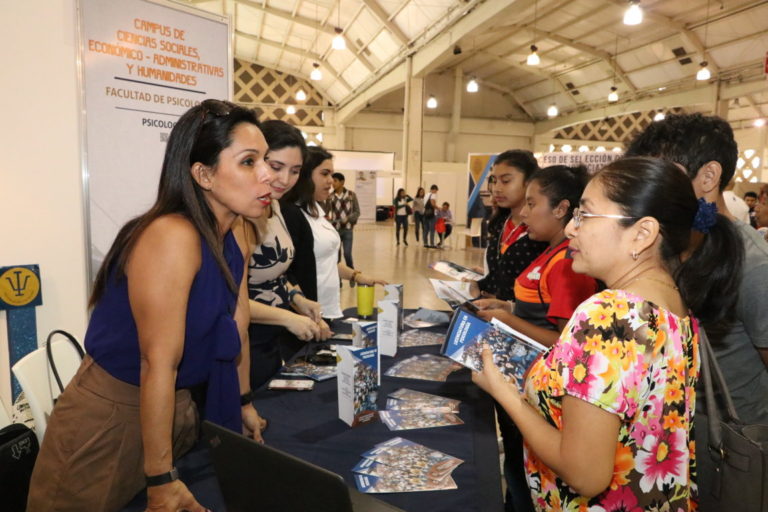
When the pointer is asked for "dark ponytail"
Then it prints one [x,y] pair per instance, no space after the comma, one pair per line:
[708,277]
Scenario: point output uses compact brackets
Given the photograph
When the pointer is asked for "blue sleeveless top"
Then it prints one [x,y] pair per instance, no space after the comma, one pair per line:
[211,339]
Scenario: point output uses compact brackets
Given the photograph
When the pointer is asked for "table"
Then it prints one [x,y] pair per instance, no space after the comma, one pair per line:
[306,424]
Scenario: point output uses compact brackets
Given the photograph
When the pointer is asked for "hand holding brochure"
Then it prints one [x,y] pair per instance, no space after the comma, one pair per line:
[513,352]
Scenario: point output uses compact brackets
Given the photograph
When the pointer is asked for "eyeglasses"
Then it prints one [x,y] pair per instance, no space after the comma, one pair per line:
[579,216]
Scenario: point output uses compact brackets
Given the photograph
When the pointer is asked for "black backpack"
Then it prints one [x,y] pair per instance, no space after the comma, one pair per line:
[18,451]
[429,211]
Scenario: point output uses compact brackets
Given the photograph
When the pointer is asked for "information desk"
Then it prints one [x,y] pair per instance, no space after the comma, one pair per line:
[306,424]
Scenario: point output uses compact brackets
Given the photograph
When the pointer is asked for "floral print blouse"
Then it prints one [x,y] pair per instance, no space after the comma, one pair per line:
[631,358]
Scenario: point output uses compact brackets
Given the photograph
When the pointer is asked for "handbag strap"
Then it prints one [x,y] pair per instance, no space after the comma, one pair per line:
[49,353]
[713,379]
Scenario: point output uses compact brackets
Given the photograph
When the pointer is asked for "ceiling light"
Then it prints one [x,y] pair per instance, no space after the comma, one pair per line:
[659,116]
[533,57]
[613,95]
[291,109]
[316,74]
[301,95]
[583,149]
[552,110]
[759,122]
[600,149]
[616,150]
[338,40]
[662,88]
[319,136]
[566,148]
[432,102]
[472,86]
[634,14]
[703,73]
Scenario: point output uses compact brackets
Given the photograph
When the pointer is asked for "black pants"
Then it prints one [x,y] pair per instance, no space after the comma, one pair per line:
[518,497]
[401,220]
[448,231]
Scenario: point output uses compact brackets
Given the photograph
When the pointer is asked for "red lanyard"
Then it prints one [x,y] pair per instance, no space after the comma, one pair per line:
[510,234]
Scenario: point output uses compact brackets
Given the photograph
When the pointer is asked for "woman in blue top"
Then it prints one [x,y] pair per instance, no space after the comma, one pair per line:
[170,317]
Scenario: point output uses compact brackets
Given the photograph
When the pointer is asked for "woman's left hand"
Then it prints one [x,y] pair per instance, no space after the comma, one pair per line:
[370,281]
[253,424]
[491,380]
[307,307]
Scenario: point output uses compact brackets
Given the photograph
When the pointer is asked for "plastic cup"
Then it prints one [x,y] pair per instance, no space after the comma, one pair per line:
[365,300]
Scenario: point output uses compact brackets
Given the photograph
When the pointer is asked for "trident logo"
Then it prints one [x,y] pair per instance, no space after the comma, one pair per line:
[18,287]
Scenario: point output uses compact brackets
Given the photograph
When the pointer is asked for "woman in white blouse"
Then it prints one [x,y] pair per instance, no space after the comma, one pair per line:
[316,267]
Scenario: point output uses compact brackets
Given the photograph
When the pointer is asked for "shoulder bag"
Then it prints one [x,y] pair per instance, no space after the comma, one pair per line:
[737,450]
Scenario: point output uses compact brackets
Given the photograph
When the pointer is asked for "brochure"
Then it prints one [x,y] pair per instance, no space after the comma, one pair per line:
[455,271]
[420,338]
[405,455]
[411,395]
[364,334]
[401,482]
[426,403]
[358,385]
[513,352]
[455,293]
[424,367]
[305,369]
[427,318]
[413,419]
[389,325]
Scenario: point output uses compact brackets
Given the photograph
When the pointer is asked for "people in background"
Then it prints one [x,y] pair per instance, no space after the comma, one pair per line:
[402,204]
[316,268]
[343,211]
[444,224]
[418,212]
[430,212]
[510,249]
[170,317]
[546,293]
[751,199]
[279,311]
[607,413]
[704,147]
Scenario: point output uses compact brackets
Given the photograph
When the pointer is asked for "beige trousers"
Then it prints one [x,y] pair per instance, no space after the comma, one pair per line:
[92,458]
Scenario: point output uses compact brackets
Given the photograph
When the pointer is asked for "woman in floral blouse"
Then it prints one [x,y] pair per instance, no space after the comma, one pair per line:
[606,413]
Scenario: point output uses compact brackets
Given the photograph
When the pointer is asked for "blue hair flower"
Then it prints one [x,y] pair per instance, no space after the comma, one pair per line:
[706,216]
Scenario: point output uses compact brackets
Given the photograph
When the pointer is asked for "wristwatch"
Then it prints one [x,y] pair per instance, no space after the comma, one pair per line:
[164,478]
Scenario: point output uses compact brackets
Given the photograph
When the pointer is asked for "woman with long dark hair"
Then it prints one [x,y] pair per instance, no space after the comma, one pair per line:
[400,203]
[607,412]
[280,313]
[169,319]
[316,267]
[418,211]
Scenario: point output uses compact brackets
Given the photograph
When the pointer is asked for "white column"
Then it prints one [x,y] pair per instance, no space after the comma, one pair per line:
[413,125]
[453,135]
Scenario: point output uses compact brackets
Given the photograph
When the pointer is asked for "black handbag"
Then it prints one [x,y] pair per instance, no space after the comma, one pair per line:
[739,451]
[18,451]
[51,361]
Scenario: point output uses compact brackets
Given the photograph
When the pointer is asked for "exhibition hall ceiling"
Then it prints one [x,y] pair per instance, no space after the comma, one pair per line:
[583,46]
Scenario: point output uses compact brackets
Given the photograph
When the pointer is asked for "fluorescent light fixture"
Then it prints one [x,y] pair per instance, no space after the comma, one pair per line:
[316,74]
[432,102]
[659,116]
[338,42]
[301,95]
[472,86]
[552,110]
[613,95]
[291,109]
[703,73]
[634,14]
[533,57]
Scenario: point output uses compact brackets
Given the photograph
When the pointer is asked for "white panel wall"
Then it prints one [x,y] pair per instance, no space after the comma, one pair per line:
[41,197]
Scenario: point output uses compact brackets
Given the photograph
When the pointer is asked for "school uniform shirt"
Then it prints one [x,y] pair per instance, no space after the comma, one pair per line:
[549,289]
[326,249]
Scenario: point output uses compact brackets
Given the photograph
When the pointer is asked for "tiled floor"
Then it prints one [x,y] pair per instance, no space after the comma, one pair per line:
[375,253]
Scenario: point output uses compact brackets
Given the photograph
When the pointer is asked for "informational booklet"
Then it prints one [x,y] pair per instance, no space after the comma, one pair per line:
[399,481]
[420,338]
[454,293]
[411,395]
[313,371]
[364,334]
[513,352]
[358,384]
[454,270]
[404,454]
[424,367]
[389,326]
[424,317]
[421,401]
[413,419]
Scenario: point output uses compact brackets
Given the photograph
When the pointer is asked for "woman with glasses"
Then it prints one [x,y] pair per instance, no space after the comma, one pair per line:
[607,412]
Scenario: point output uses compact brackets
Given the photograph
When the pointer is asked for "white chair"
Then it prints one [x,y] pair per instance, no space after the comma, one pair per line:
[38,382]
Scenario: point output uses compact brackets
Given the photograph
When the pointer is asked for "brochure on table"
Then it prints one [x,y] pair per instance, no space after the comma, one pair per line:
[513,352]
[454,293]
[390,319]
[455,270]
[358,384]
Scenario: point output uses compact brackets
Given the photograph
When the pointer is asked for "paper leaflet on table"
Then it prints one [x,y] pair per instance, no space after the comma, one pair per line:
[420,338]
[513,352]
[358,384]
[390,319]
[424,317]
[454,293]
[409,419]
[424,367]
[455,270]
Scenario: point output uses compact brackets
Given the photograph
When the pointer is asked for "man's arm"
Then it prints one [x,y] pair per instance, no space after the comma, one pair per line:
[355,208]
